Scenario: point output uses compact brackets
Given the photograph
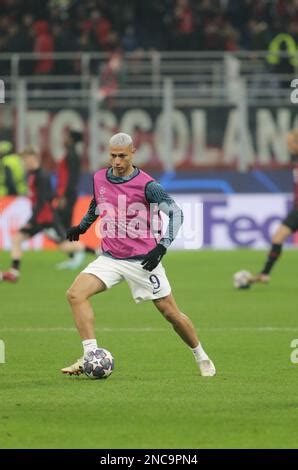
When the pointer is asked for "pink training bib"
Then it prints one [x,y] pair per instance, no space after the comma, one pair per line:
[127,219]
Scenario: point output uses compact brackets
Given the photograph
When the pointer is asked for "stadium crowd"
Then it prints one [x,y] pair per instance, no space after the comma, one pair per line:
[102,25]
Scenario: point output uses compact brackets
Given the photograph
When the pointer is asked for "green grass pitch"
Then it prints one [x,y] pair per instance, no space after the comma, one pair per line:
[155,398]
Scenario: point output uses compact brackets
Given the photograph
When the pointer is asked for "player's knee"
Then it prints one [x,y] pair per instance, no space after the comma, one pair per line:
[169,316]
[277,240]
[172,317]
[74,296]
[280,236]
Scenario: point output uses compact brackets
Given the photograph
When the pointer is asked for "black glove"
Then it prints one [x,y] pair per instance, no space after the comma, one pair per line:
[73,233]
[153,258]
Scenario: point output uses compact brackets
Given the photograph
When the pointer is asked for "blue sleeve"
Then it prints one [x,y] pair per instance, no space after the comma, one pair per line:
[156,194]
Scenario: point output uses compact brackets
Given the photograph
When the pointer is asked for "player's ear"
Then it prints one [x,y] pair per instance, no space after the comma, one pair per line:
[133,150]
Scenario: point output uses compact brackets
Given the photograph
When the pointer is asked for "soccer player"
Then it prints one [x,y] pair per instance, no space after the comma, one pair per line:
[68,176]
[289,224]
[129,249]
[43,219]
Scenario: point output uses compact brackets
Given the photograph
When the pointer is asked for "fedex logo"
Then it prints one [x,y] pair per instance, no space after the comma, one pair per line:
[243,220]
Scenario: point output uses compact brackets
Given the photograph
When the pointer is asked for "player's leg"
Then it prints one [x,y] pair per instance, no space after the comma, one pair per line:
[279,237]
[180,322]
[71,247]
[13,274]
[56,232]
[65,216]
[76,251]
[83,287]
[154,285]
[16,245]
[96,277]
[185,329]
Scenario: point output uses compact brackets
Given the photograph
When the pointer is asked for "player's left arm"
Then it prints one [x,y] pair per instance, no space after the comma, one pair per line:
[156,194]
[73,233]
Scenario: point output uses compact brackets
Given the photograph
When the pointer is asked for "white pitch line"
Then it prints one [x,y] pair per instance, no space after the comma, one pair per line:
[145,329]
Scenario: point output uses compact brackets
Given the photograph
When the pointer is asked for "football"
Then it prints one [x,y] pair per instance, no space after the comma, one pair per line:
[98,364]
[241,279]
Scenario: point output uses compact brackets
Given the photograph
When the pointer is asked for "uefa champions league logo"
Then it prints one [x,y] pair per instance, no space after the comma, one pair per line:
[2,92]
[102,192]
[2,352]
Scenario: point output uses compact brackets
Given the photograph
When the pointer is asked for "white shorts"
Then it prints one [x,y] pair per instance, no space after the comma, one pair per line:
[144,285]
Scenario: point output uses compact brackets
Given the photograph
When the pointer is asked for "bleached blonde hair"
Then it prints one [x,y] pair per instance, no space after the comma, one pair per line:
[121,140]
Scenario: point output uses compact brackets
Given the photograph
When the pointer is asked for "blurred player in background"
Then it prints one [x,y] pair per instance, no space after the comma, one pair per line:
[130,250]
[68,176]
[43,219]
[12,174]
[289,224]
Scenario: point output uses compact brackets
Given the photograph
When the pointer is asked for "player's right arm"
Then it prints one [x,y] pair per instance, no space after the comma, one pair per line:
[156,194]
[73,233]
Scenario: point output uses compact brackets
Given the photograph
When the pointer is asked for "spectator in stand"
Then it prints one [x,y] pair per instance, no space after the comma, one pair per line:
[213,34]
[64,41]
[44,43]
[85,42]
[112,74]
[129,40]
[257,36]
[154,24]
[230,39]
[102,28]
[184,19]
[19,36]
[61,5]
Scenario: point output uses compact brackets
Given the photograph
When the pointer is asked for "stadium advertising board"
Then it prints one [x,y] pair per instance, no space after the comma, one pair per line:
[210,221]
[202,136]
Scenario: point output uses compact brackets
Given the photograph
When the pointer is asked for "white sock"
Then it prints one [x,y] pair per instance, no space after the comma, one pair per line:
[199,353]
[89,344]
